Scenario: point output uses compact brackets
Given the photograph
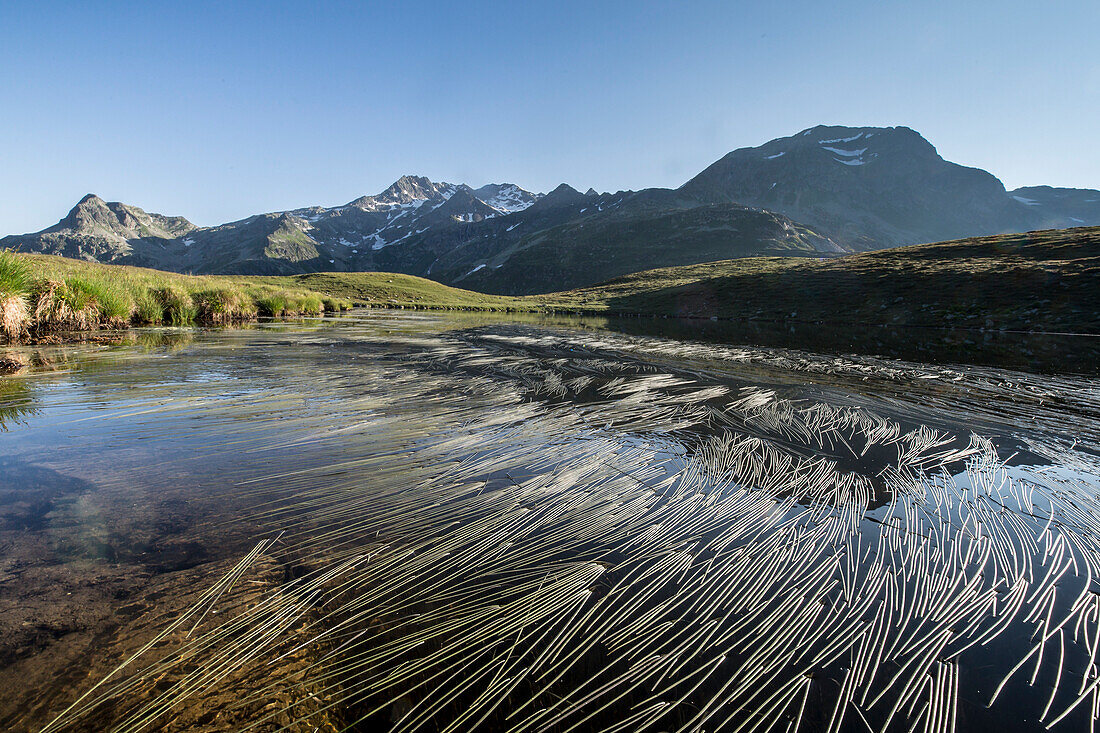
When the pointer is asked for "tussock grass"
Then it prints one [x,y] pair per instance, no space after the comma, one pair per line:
[224,305]
[148,308]
[15,281]
[42,293]
[274,304]
[15,275]
[179,309]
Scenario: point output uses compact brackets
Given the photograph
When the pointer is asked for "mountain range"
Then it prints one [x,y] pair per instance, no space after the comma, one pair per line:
[824,192]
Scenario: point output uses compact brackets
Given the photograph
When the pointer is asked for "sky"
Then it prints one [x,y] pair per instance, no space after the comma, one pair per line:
[219,110]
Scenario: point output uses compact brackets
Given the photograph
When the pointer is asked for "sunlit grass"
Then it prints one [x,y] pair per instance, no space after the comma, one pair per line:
[44,293]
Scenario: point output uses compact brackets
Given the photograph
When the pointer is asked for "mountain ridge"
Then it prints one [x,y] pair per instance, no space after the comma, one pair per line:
[825,191]
[867,187]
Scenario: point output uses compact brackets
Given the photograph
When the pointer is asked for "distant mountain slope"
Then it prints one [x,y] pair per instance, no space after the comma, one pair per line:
[586,238]
[1061,207]
[872,187]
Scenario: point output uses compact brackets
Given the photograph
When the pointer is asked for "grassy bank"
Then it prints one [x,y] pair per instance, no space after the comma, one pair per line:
[40,294]
[389,290]
[1040,281]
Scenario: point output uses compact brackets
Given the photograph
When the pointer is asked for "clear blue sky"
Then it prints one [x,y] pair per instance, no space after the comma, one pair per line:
[218,110]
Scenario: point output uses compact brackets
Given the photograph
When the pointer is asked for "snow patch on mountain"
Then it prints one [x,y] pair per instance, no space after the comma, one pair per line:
[506,198]
[850,157]
[842,139]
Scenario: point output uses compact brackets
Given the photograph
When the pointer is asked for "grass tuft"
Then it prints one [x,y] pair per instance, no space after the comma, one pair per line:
[273,305]
[179,308]
[15,276]
[148,309]
[15,285]
[224,305]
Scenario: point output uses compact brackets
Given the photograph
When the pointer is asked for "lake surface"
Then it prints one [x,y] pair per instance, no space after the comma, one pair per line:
[418,522]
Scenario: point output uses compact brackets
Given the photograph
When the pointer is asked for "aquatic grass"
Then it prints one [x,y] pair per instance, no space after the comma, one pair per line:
[113,301]
[79,293]
[333,305]
[272,305]
[15,286]
[224,305]
[13,316]
[66,305]
[482,545]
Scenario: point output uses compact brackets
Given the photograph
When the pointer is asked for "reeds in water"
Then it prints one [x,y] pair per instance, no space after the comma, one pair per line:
[517,540]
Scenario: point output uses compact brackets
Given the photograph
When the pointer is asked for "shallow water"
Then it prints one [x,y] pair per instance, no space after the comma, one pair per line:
[401,521]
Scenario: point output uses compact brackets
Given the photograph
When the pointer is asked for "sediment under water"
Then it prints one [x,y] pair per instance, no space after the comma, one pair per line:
[397,521]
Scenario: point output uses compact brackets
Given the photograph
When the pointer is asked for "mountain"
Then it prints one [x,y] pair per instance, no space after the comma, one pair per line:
[1061,207]
[95,229]
[824,192]
[875,187]
[570,239]
[302,240]
[499,237]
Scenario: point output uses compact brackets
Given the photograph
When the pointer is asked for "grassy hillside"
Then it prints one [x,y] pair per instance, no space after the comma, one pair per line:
[1040,281]
[382,289]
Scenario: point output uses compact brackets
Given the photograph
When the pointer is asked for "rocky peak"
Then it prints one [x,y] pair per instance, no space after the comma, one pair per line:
[506,197]
[563,195]
[869,187]
[412,188]
[405,191]
[94,217]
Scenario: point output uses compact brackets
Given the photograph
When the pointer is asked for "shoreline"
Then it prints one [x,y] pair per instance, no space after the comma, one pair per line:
[950,345]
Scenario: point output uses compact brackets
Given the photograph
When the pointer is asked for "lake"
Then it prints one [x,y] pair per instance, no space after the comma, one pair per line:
[400,521]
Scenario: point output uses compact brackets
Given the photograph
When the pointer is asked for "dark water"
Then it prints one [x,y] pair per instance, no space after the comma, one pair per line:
[1045,353]
[398,521]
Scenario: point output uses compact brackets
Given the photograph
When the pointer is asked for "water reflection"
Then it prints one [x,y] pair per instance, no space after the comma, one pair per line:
[408,521]
[1044,353]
